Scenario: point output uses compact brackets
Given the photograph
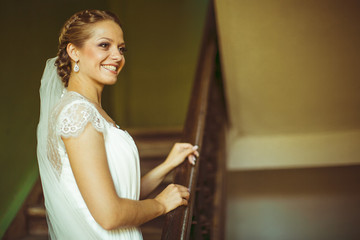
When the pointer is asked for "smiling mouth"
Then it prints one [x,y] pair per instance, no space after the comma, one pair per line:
[110,68]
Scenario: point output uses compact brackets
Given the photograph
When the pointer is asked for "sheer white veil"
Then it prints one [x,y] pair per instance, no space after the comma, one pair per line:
[64,220]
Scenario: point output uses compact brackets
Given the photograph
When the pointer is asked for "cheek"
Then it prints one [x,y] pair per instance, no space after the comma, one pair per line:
[122,63]
[94,56]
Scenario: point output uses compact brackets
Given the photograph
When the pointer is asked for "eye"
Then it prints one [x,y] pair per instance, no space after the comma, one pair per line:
[104,45]
[122,50]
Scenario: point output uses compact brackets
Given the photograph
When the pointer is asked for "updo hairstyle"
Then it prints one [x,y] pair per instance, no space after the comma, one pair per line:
[76,30]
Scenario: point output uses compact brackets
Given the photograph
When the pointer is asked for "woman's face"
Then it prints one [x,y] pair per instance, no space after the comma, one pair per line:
[101,57]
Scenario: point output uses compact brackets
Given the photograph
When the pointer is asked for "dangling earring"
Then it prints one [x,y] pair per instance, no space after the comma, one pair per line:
[76,67]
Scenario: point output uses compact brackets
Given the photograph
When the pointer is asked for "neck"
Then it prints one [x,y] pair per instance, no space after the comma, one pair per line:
[91,90]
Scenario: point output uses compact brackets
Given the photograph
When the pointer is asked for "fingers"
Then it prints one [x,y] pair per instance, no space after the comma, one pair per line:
[184,191]
[183,194]
[176,195]
[186,146]
[187,149]
[180,152]
[192,153]
[192,159]
[184,202]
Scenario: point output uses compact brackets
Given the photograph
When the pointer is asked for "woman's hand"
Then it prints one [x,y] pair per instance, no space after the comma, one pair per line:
[180,152]
[173,196]
[177,155]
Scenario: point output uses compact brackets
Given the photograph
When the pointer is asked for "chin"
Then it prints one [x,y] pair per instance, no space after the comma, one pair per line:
[110,82]
[107,80]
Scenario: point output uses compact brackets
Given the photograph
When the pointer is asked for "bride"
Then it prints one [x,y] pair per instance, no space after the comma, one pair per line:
[89,167]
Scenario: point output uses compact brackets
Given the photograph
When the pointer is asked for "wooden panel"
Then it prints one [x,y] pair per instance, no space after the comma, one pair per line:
[204,127]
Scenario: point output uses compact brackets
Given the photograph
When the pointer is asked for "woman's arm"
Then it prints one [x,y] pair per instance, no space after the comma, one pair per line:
[89,164]
[177,155]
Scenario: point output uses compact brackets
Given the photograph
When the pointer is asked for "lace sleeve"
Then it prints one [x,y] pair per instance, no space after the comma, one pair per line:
[75,116]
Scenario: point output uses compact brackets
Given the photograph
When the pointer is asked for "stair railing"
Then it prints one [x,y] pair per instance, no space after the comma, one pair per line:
[205,123]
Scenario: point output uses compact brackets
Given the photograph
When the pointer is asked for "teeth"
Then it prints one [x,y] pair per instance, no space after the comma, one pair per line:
[109,67]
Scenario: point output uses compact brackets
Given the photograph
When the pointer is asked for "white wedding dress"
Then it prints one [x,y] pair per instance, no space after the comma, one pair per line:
[68,215]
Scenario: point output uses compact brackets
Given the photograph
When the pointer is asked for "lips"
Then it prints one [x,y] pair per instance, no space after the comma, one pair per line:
[110,68]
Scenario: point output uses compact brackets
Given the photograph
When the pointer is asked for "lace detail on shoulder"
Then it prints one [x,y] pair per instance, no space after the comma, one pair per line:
[68,119]
[75,116]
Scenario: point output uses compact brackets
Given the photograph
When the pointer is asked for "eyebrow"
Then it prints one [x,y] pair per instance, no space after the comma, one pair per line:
[110,40]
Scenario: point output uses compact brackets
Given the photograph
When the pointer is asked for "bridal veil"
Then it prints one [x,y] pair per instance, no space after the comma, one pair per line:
[64,219]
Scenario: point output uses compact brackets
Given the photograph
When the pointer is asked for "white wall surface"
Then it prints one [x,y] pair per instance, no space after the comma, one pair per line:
[292,72]
[296,204]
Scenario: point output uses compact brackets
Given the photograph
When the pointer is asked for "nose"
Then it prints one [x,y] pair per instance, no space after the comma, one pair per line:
[116,55]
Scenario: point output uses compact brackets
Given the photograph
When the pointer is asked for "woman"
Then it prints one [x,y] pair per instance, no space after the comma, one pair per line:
[89,167]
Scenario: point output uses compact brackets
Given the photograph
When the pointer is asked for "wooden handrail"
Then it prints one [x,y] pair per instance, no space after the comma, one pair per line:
[178,222]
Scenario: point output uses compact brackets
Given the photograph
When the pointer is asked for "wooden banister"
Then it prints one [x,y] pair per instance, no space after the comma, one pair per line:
[201,118]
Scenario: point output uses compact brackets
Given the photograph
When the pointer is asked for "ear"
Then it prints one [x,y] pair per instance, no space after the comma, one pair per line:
[72,52]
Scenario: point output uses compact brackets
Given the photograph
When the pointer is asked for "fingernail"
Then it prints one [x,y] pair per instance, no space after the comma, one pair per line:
[195,147]
[193,160]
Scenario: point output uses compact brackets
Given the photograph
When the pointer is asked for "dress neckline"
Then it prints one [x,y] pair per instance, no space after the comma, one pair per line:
[86,99]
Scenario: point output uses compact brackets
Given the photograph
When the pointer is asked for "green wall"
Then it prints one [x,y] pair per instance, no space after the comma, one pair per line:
[29,31]
[163,41]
